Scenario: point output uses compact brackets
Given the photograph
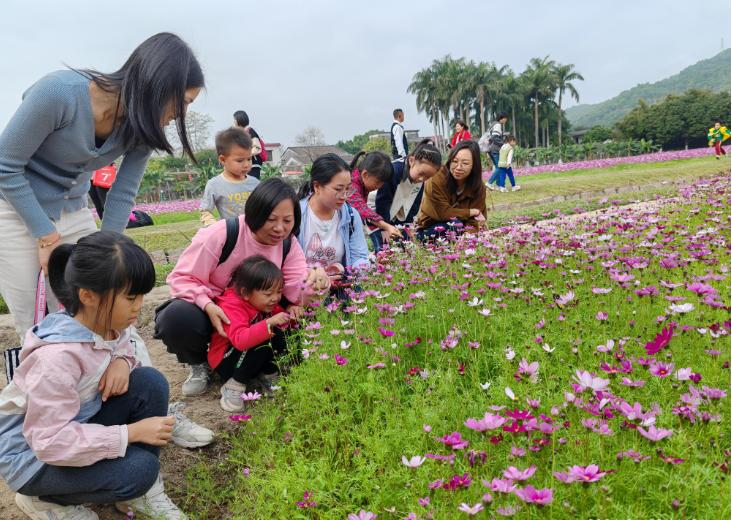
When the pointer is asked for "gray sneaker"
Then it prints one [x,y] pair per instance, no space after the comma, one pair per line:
[231,400]
[39,510]
[197,381]
[187,433]
[268,384]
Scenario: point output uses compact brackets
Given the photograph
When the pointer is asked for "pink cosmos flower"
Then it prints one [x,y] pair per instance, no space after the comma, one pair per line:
[386,332]
[564,299]
[607,347]
[488,422]
[471,510]
[654,434]
[250,396]
[634,384]
[376,366]
[413,462]
[585,380]
[424,501]
[601,290]
[529,369]
[601,316]
[362,515]
[454,440]
[661,370]
[582,474]
[513,473]
[499,485]
[683,374]
[531,495]
[240,417]
[340,360]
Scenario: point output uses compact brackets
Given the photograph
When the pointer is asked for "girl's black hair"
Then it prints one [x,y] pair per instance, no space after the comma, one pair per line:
[106,263]
[324,169]
[501,115]
[461,123]
[158,72]
[424,151]
[376,163]
[265,198]
[475,180]
[241,118]
[256,273]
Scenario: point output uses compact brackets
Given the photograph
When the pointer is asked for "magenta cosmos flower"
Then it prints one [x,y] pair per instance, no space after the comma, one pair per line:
[362,515]
[661,341]
[582,474]
[453,440]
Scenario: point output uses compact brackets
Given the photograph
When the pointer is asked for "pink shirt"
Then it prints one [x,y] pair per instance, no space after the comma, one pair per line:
[197,278]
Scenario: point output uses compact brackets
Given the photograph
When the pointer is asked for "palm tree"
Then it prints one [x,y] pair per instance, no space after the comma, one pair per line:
[563,75]
[540,81]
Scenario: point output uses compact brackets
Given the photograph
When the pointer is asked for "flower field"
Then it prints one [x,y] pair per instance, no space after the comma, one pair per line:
[674,155]
[569,369]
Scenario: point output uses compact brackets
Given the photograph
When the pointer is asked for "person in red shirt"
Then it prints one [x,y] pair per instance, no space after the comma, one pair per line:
[461,133]
[244,358]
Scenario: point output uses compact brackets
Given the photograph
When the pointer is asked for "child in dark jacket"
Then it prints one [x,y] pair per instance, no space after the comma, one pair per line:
[245,357]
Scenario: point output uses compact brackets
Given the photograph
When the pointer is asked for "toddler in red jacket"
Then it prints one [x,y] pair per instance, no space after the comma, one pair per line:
[245,357]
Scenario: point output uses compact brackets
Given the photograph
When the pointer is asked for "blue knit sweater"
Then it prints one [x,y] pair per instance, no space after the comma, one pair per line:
[48,154]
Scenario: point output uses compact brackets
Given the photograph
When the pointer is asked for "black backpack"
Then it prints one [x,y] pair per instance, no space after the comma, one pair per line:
[232,235]
[142,219]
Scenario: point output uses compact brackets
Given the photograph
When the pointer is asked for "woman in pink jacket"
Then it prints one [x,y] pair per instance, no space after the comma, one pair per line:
[269,227]
[82,422]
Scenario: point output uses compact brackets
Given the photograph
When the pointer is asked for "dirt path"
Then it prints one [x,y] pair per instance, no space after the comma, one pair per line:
[204,410]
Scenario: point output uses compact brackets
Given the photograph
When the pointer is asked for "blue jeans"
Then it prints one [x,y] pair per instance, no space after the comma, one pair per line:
[503,172]
[111,480]
[494,159]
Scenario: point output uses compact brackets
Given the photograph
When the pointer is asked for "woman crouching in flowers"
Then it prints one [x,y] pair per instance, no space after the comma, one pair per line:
[244,357]
[268,228]
[454,198]
[331,233]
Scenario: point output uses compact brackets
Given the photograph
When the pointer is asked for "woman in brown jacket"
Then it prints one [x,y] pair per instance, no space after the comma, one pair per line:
[455,197]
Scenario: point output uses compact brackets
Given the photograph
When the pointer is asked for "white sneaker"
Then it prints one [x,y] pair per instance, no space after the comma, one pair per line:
[231,400]
[155,504]
[503,190]
[187,433]
[197,381]
[516,188]
[490,186]
[37,509]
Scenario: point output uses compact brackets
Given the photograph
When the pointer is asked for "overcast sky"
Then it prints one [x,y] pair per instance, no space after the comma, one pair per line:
[343,66]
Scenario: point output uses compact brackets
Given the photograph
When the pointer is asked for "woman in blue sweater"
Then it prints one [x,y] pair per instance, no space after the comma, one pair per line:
[70,123]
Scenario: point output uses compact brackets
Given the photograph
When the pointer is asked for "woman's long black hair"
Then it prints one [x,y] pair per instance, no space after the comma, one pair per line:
[158,72]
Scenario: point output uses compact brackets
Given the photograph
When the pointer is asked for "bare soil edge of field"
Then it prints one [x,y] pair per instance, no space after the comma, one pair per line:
[204,409]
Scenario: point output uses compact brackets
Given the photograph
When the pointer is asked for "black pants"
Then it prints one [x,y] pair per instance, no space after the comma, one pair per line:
[99,198]
[245,366]
[185,329]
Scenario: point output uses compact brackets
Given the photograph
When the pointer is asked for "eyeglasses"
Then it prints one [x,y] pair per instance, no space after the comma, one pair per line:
[344,192]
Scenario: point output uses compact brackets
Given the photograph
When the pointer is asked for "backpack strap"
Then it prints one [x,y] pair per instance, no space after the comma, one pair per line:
[232,235]
[286,245]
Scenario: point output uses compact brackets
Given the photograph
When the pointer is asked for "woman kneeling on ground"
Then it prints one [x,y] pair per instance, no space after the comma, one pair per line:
[454,198]
[268,228]
[332,233]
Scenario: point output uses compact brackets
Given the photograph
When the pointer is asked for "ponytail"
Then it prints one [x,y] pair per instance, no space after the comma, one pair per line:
[375,163]
[57,263]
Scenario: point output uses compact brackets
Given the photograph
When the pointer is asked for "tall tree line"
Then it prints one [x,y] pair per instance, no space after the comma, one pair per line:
[451,89]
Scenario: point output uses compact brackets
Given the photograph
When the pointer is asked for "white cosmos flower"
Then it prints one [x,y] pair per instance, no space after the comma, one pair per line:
[510,393]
